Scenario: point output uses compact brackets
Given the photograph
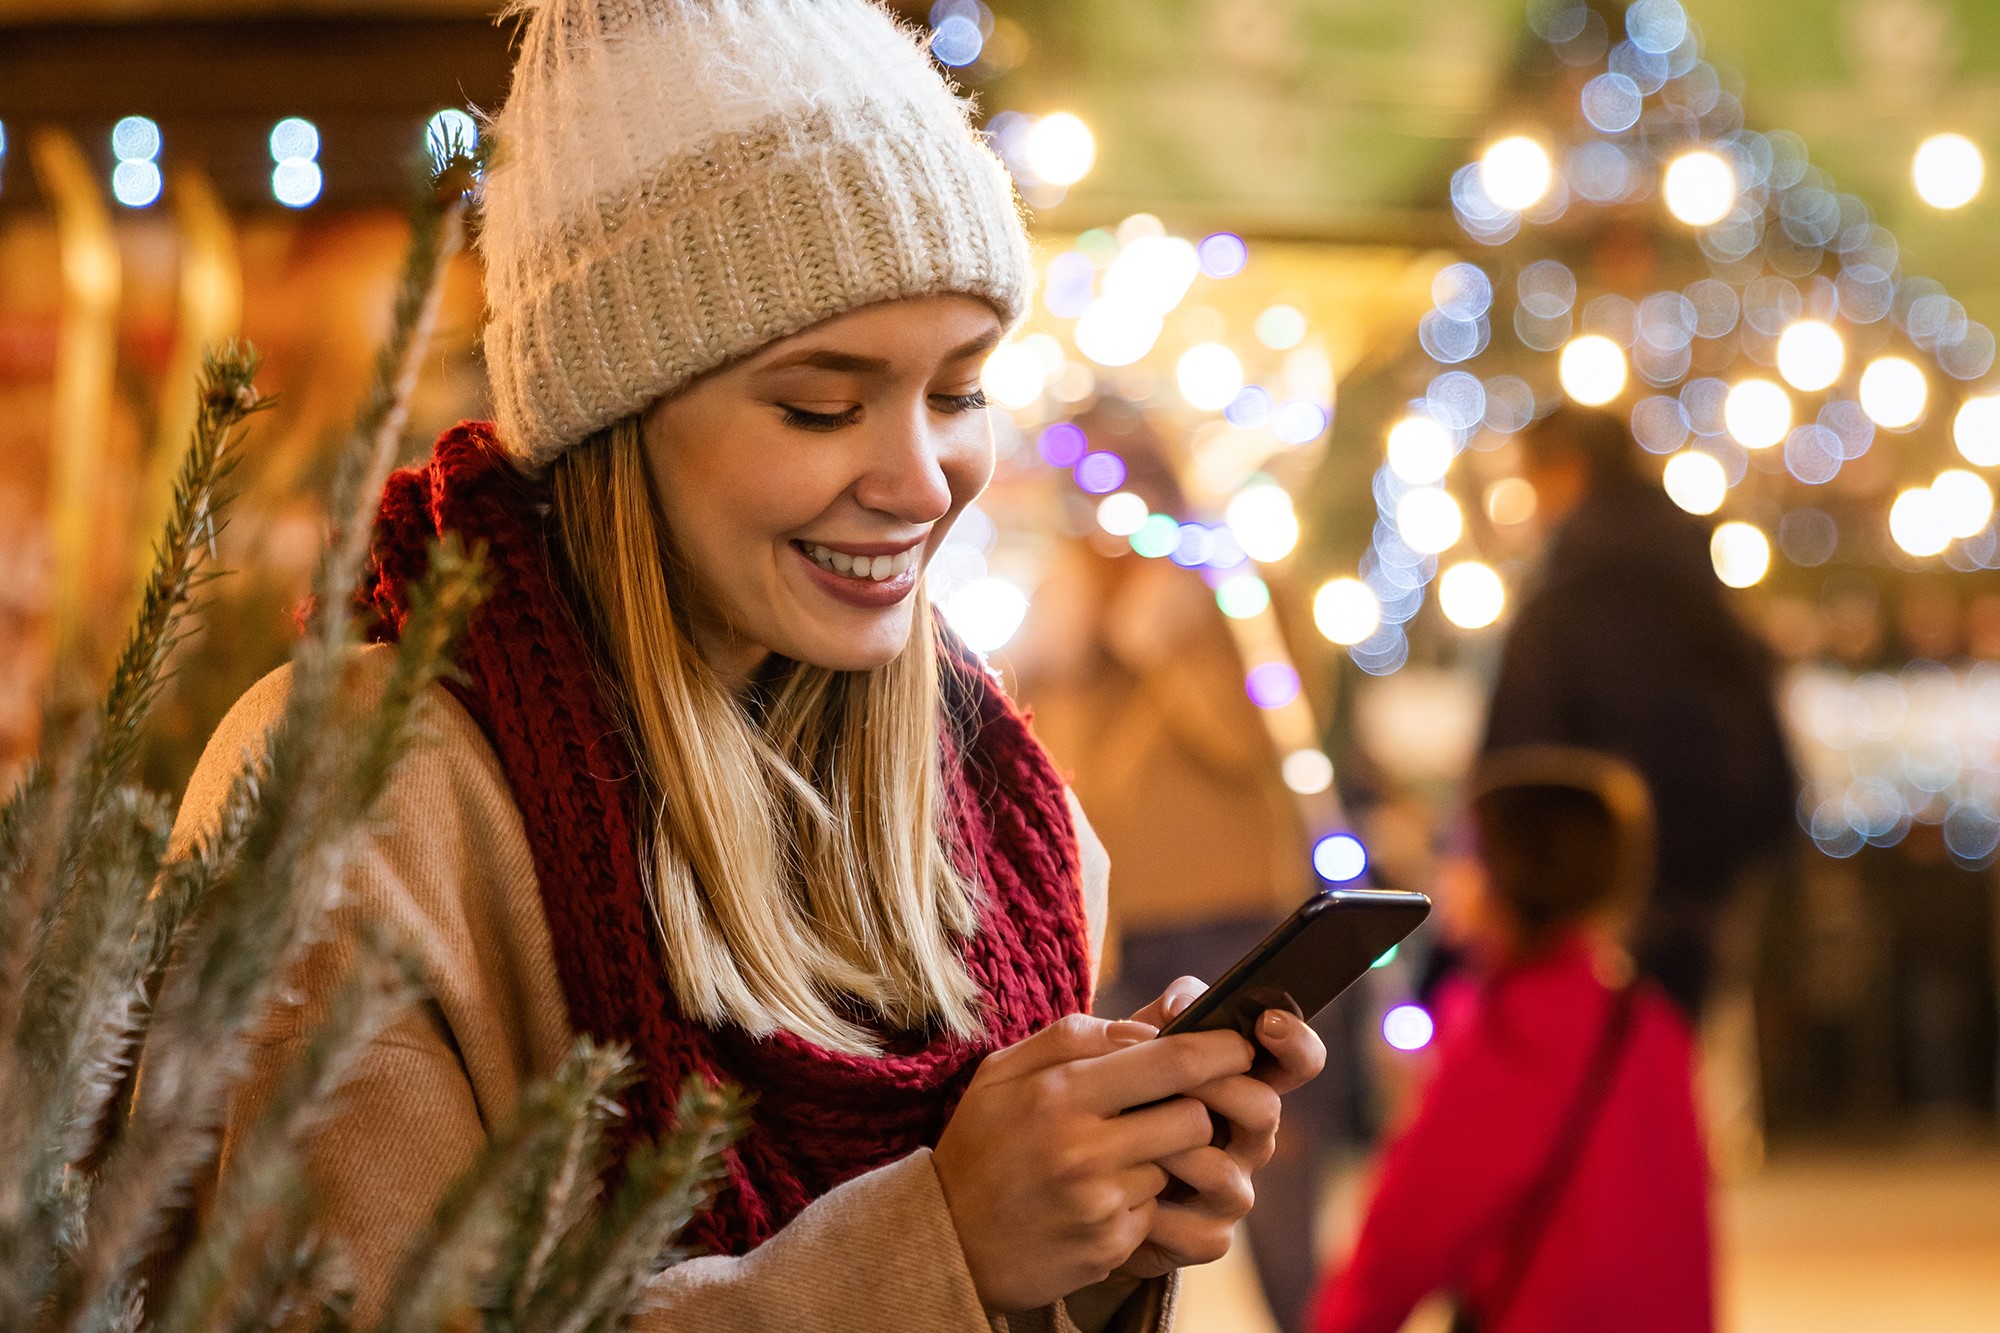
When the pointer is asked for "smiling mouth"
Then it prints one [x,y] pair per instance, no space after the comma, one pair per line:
[860,568]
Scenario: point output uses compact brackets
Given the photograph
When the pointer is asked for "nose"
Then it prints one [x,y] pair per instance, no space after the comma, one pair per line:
[907,474]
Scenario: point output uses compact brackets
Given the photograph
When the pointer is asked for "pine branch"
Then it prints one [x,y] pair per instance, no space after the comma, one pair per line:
[255,1244]
[600,1271]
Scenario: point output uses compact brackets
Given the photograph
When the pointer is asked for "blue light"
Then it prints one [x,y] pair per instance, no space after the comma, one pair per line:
[296,182]
[1340,858]
[957,41]
[1222,254]
[449,130]
[1300,422]
[294,136]
[1250,408]
[135,184]
[1612,102]
[1408,1027]
[135,139]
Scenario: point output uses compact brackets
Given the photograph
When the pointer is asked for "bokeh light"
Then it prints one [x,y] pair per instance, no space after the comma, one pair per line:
[1222,254]
[1420,450]
[1510,500]
[294,136]
[1014,376]
[1408,1027]
[1116,333]
[1271,684]
[1700,187]
[1695,481]
[1516,173]
[1060,148]
[986,613]
[1741,554]
[1917,522]
[1948,170]
[1811,355]
[956,41]
[296,182]
[1347,611]
[1243,596]
[450,128]
[1429,520]
[1471,595]
[1263,522]
[136,183]
[1976,430]
[1893,392]
[1152,272]
[1757,413]
[1100,473]
[1307,772]
[1299,422]
[1339,858]
[135,139]
[1280,327]
[1062,444]
[1964,501]
[1121,514]
[1159,535]
[1592,369]
[1209,376]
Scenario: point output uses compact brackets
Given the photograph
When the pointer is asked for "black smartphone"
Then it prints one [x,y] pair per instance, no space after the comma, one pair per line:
[1314,955]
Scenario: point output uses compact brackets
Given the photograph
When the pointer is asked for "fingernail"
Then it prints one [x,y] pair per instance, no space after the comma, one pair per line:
[1127,1032]
[1273,1023]
[1177,1003]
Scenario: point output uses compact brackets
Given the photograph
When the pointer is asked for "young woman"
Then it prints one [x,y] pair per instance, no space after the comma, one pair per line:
[714,784]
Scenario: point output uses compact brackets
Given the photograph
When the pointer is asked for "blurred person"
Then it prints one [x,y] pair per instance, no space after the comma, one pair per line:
[1626,644]
[1137,688]
[1552,1177]
[710,780]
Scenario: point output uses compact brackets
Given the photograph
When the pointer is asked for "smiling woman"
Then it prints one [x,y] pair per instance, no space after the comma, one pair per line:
[713,784]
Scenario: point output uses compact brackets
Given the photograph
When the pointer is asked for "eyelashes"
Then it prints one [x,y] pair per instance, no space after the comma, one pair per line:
[951,404]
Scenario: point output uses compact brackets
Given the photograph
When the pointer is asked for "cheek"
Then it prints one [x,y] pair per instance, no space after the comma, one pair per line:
[966,459]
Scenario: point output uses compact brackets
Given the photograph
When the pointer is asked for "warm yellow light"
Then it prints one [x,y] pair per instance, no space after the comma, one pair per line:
[1893,392]
[1060,148]
[1429,520]
[1948,170]
[1964,501]
[1700,187]
[1013,376]
[1346,611]
[1976,429]
[1420,450]
[1152,272]
[1741,554]
[1695,481]
[1115,332]
[1471,595]
[1263,522]
[1122,514]
[1210,376]
[1307,772]
[1516,172]
[1510,500]
[1280,327]
[1917,522]
[1757,414]
[1811,355]
[1592,369]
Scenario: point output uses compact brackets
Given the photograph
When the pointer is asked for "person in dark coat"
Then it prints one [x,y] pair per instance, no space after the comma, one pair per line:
[1625,644]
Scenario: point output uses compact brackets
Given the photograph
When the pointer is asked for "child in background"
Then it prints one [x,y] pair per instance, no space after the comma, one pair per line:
[1553,1178]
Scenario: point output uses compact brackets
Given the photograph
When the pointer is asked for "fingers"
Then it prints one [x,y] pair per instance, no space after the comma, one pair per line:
[1154,1133]
[1252,1109]
[1221,1184]
[1179,994]
[1297,1055]
[1167,1067]
[1075,1037]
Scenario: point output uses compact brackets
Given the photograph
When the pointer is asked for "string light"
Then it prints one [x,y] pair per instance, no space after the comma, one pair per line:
[1757,414]
[1917,522]
[1700,187]
[986,613]
[1429,520]
[296,180]
[1014,376]
[1347,611]
[1964,501]
[1516,173]
[1263,522]
[135,181]
[1592,369]
[1471,595]
[1209,376]
[1976,430]
[1060,148]
[1695,481]
[1510,500]
[1307,772]
[1811,355]
[1122,514]
[1741,554]
[1893,392]
[1280,327]
[1243,596]
[1948,171]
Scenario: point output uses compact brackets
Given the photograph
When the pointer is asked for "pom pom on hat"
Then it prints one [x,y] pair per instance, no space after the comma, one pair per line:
[680,182]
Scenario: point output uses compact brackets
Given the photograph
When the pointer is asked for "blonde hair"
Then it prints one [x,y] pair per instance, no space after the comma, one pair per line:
[799,861]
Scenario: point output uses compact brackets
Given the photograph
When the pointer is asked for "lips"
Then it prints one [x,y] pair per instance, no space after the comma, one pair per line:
[860,585]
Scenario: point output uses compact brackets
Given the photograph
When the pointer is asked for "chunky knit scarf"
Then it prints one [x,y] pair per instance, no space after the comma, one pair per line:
[819,1117]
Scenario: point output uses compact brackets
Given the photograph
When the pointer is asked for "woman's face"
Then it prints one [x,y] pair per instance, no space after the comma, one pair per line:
[806,487]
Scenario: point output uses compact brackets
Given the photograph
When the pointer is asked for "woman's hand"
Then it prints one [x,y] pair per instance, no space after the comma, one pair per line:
[1050,1183]
[1195,1225]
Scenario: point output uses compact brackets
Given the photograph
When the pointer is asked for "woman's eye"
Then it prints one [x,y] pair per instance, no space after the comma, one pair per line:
[800,419]
[960,402]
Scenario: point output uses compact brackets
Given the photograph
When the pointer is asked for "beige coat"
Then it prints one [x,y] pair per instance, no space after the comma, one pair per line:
[447,865]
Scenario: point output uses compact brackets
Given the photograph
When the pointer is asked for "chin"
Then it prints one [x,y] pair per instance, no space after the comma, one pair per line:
[848,647]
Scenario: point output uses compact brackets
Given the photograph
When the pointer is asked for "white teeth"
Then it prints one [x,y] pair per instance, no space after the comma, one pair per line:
[874,568]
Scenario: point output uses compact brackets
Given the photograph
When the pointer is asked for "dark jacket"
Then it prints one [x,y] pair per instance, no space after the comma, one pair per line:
[1626,645]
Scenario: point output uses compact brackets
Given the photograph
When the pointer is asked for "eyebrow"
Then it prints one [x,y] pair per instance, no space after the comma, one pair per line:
[827,358]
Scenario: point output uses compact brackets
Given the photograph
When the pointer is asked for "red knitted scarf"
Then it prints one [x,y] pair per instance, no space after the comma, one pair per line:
[819,1117]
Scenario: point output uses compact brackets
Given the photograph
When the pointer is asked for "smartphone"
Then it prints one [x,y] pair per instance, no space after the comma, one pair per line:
[1314,955]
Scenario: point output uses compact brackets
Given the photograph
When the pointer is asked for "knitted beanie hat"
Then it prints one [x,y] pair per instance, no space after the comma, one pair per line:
[677,183]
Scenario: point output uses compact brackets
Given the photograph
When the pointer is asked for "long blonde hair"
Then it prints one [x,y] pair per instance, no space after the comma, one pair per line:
[799,860]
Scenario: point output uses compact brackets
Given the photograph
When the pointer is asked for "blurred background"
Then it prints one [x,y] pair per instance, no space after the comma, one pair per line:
[1305,267]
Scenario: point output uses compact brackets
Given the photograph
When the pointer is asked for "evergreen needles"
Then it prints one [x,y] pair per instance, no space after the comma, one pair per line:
[134,974]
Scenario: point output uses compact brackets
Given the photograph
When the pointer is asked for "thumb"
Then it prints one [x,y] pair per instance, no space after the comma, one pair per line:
[1074,1037]
[1179,994]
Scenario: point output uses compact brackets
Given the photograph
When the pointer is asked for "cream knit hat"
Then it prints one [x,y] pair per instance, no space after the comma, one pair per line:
[677,183]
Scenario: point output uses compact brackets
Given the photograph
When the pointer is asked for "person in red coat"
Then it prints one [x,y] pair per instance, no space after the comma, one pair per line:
[1552,1178]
